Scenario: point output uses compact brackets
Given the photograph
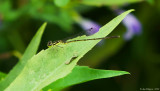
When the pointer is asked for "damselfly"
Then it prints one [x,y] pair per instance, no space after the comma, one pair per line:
[50,43]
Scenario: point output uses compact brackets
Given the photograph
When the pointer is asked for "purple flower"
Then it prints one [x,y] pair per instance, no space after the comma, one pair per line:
[132,24]
[89,26]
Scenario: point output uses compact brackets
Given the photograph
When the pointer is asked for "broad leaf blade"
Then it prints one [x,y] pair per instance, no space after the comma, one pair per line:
[50,65]
[82,74]
[30,51]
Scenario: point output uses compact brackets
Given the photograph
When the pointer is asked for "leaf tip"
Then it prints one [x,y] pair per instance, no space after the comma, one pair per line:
[125,73]
[45,24]
[131,10]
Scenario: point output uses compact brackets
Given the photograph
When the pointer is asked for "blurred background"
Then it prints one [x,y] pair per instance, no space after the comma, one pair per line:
[137,51]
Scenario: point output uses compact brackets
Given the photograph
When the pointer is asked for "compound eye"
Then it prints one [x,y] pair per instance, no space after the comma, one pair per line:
[49,43]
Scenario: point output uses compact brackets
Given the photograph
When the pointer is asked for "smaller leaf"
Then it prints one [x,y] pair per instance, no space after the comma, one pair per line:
[61,3]
[82,74]
[29,52]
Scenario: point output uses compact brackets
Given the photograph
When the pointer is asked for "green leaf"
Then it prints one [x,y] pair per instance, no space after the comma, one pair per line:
[53,63]
[61,3]
[107,2]
[2,76]
[82,74]
[30,51]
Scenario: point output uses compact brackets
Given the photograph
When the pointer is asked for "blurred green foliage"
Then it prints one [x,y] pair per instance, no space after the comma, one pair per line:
[19,20]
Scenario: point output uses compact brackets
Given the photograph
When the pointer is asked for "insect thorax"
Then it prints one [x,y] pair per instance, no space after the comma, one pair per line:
[50,43]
